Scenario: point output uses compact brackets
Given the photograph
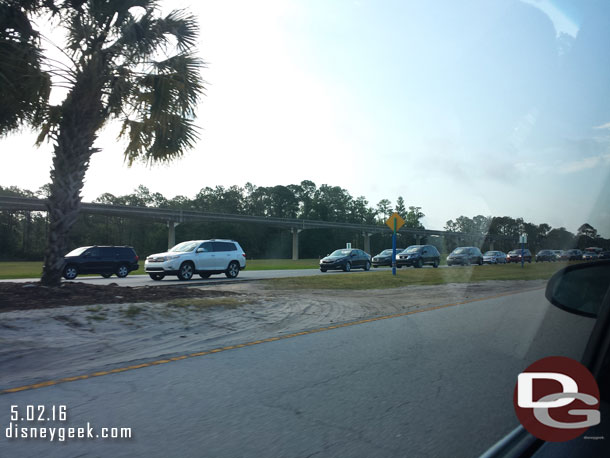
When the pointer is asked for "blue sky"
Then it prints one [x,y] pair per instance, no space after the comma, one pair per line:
[472,107]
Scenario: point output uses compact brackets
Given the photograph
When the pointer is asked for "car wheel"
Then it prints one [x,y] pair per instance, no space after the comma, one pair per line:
[322,269]
[70,272]
[419,264]
[480,261]
[186,271]
[106,275]
[435,265]
[157,277]
[367,266]
[205,275]
[232,270]
[347,267]
[122,271]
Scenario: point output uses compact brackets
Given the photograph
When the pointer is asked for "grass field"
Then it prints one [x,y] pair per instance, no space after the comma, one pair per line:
[424,276]
[11,270]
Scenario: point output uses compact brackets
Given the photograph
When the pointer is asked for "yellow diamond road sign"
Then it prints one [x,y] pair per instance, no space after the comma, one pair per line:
[395,217]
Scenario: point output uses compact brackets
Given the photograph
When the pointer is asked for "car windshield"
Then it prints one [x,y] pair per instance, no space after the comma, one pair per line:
[341,253]
[184,247]
[281,130]
[78,251]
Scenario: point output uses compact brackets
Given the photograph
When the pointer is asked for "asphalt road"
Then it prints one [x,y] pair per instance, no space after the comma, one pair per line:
[244,275]
[437,383]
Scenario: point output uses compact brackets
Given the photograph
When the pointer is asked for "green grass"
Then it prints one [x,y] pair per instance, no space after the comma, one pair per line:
[11,270]
[424,276]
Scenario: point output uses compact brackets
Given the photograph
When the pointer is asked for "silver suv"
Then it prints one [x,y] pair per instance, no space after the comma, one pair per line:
[203,257]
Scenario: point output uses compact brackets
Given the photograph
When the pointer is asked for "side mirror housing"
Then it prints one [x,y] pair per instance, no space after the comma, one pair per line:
[580,288]
[199,250]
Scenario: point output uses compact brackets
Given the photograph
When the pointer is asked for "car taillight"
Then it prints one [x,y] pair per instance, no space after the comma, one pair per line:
[243,254]
[137,258]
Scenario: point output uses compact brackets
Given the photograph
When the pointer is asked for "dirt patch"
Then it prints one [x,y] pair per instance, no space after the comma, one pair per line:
[32,295]
[49,342]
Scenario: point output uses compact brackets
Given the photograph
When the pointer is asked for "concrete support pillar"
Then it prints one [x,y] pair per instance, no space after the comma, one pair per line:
[367,242]
[171,234]
[295,243]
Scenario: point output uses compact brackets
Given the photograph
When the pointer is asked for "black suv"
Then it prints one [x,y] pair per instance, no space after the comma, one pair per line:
[418,255]
[104,260]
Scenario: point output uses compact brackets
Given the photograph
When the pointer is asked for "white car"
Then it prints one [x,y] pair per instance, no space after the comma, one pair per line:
[203,257]
[494,257]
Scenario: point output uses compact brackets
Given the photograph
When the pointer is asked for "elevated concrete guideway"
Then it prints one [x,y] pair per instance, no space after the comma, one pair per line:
[174,217]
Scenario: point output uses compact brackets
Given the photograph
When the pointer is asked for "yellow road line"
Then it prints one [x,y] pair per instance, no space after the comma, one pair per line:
[255,342]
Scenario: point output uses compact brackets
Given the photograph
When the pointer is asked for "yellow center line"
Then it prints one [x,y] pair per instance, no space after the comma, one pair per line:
[255,342]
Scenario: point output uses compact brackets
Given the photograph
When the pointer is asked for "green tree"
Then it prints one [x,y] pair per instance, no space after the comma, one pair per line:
[384,209]
[400,207]
[123,62]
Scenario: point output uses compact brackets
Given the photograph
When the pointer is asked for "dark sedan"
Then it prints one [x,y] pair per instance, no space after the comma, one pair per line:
[465,255]
[385,257]
[515,255]
[546,255]
[418,255]
[346,260]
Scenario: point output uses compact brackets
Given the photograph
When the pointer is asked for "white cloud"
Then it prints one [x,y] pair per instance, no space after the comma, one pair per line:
[585,164]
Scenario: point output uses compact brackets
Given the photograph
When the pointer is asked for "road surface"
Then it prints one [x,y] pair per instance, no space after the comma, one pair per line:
[244,275]
[436,383]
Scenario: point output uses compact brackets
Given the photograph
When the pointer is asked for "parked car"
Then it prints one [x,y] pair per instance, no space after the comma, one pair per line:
[346,259]
[465,255]
[573,255]
[590,256]
[103,260]
[418,256]
[384,258]
[515,255]
[558,254]
[604,255]
[494,257]
[203,257]
[546,255]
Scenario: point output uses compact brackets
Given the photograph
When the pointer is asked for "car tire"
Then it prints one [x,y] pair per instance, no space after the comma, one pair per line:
[122,271]
[419,264]
[186,271]
[106,275]
[157,277]
[205,275]
[233,270]
[480,261]
[322,270]
[347,267]
[70,272]
[435,264]
[367,266]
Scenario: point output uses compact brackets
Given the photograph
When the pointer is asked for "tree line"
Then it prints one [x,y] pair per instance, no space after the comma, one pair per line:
[23,235]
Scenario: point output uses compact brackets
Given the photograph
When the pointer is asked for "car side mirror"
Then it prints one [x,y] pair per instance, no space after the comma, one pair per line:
[353,255]
[199,250]
[580,289]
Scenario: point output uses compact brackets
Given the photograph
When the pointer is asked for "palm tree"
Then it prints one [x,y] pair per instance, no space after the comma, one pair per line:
[122,62]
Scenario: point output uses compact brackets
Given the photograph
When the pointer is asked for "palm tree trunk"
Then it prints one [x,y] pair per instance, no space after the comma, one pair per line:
[81,118]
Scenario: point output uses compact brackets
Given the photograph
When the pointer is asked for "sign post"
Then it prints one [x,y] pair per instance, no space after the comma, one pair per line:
[394,222]
[523,240]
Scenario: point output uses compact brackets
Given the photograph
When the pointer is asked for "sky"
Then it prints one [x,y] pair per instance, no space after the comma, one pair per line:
[498,108]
